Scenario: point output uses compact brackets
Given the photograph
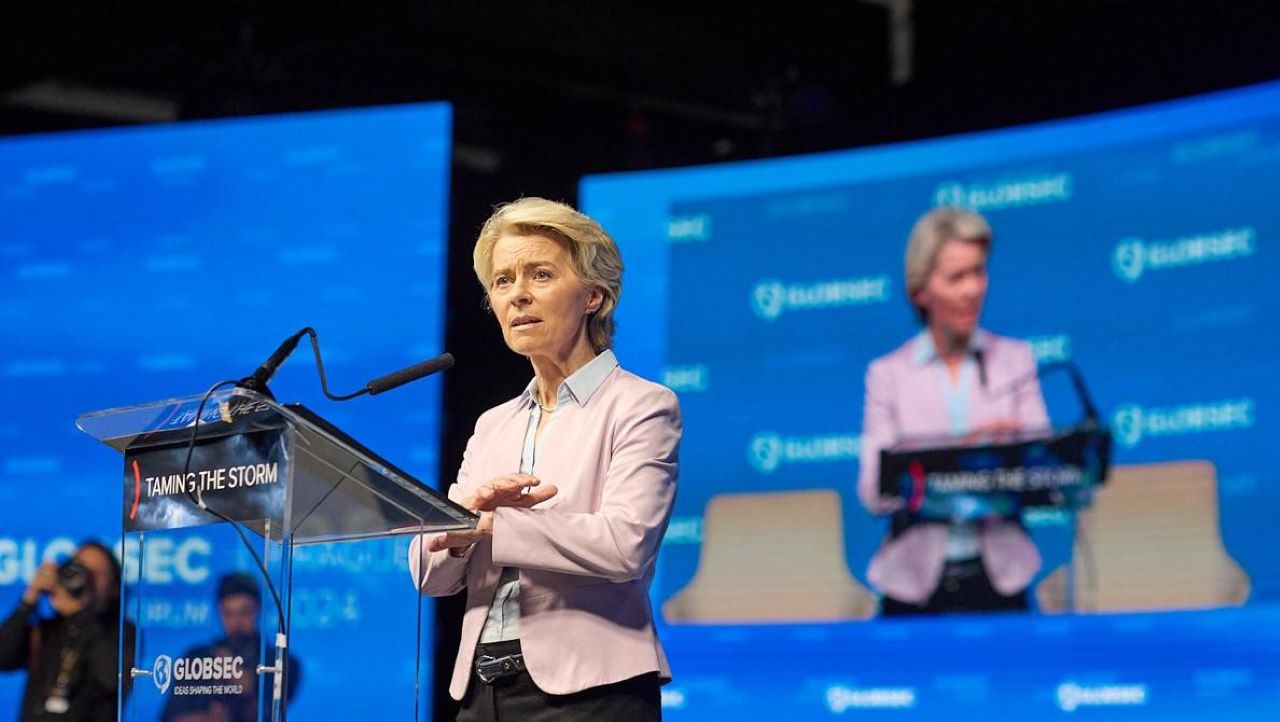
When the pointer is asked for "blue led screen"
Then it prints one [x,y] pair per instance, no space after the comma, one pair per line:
[146,263]
[1138,244]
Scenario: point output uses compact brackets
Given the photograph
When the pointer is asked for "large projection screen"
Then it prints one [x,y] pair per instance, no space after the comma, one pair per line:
[1138,244]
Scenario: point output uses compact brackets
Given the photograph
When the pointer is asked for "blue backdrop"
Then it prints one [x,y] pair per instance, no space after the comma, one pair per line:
[1135,243]
[146,263]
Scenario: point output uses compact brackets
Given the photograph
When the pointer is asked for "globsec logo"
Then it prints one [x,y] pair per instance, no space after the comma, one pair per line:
[767,299]
[1126,425]
[167,561]
[1131,423]
[1127,259]
[204,671]
[840,698]
[1014,193]
[1072,696]
[1133,257]
[950,194]
[162,673]
[770,298]
[767,450]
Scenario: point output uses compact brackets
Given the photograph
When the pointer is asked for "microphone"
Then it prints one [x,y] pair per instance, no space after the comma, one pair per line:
[980,357]
[412,373]
[1067,367]
[1082,393]
[257,381]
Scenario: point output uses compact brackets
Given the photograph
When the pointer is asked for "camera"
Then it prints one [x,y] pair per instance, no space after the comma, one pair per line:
[75,578]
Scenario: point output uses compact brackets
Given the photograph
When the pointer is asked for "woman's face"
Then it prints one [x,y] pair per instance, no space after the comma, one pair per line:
[954,290]
[538,299]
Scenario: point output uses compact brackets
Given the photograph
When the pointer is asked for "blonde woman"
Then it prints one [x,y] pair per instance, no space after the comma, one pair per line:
[935,385]
[574,479]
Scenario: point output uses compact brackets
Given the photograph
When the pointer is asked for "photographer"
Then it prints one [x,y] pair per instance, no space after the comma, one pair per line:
[70,658]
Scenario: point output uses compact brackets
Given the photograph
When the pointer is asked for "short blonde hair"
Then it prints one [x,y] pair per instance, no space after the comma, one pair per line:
[592,252]
[931,231]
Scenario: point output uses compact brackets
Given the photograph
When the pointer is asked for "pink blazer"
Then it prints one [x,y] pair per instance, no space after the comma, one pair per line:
[904,399]
[586,556]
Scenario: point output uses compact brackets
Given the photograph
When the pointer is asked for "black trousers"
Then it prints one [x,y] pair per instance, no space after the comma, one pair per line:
[965,587]
[517,698]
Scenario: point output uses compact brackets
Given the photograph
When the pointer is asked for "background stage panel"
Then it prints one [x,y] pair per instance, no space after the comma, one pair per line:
[1139,244]
[145,263]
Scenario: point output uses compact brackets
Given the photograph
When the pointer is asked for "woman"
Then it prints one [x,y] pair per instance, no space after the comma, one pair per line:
[951,379]
[557,622]
[70,658]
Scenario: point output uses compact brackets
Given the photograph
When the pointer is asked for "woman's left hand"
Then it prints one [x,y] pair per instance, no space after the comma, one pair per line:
[507,490]
[462,539]
[996,431]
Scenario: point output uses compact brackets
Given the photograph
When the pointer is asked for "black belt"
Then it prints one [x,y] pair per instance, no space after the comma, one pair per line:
[489,668]
[962,568]
[959,572]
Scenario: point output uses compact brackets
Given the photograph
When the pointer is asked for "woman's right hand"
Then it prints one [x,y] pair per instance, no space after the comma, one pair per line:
[886,505]
[42,583]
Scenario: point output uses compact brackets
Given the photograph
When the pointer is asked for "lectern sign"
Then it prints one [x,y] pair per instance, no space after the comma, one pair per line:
[947,483]
[242,476]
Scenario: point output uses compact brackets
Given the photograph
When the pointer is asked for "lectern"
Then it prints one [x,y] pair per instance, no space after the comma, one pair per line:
[287,479]
[942,481]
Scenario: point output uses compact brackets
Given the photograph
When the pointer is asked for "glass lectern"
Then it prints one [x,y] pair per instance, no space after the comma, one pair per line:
[291,482]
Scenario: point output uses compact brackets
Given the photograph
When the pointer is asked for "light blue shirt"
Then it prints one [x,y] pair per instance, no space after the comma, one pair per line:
[503,622]
[964,540]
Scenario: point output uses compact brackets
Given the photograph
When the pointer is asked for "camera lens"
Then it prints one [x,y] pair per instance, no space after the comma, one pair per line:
[74,577]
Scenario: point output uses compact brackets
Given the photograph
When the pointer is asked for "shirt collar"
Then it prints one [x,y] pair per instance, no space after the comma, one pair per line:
[925,350]
[581,384]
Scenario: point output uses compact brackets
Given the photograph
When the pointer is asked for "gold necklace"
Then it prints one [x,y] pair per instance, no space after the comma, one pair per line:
[537,399]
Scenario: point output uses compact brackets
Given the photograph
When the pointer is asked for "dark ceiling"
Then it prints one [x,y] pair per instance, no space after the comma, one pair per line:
[570,86]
